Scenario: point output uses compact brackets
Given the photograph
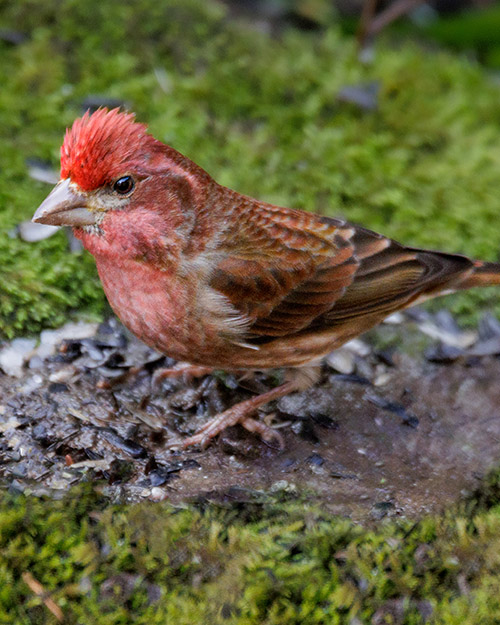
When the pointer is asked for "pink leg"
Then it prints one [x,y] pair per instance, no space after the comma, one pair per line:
[240,413]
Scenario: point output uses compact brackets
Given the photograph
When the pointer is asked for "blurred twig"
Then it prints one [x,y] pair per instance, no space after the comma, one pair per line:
[371,24]
[40,592]
[367,15]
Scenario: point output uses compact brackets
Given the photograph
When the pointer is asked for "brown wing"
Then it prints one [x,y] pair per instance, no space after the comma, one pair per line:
[394,277]
[290,272]
[282,276]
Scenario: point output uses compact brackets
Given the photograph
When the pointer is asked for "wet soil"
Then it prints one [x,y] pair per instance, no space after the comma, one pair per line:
[401,432]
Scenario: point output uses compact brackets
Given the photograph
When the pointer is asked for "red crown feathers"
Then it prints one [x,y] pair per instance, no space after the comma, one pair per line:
[97,145]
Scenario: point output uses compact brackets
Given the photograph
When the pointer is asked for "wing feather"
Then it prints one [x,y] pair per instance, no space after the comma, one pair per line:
[290,272]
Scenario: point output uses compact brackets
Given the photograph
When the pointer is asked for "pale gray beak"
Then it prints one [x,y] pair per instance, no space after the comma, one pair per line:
[64,207]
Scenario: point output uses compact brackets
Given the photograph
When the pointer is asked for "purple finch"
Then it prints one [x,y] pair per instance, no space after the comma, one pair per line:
[220,280]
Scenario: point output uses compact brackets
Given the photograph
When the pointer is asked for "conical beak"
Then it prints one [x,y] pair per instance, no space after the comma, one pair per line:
[64,207]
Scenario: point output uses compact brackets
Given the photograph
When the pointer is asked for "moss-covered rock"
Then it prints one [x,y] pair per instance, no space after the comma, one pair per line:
[259,113]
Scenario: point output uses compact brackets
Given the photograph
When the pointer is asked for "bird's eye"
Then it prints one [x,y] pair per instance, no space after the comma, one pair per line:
[124,185]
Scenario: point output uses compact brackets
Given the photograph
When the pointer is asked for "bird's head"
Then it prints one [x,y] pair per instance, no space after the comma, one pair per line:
[116,180]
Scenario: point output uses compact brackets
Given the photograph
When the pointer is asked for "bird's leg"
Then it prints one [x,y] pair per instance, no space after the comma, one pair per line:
[241,413]
[181,369]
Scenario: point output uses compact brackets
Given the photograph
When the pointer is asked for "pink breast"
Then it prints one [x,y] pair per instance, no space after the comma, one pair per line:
[149,302]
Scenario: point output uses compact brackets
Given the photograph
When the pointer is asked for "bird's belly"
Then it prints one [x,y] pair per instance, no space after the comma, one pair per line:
[152,304]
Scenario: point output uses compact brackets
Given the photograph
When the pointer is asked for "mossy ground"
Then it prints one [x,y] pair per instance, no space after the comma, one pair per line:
[260,114]
[262,563]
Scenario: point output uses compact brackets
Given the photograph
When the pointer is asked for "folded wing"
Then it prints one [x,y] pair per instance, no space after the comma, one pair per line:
[291,273]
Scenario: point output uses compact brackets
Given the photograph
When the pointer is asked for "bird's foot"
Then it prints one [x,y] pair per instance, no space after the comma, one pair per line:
[240,413]
[227,419]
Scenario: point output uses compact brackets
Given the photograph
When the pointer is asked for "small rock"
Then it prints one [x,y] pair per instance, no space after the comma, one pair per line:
[49,339]
[127,445]
[490,347]
[341,360]
[14,355]
[394,407]
[35,362]
[13,37]
[315,403]
[63,375]
[417,314]
[382,376]
[364,96]
[158,494]
[315,459]
[443,353]
[396,318]
[283,486]
[11,424]
[460,340]
[57,387]
[489,327]
[445,320]
[364,368]
[358,347]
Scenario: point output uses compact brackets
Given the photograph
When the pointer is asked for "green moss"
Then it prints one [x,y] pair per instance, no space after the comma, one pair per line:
[260,114]
[263,563]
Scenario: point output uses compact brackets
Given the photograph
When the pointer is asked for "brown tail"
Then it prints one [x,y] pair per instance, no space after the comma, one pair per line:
[484,274]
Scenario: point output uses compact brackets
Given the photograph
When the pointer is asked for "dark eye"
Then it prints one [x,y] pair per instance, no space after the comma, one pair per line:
[124,185]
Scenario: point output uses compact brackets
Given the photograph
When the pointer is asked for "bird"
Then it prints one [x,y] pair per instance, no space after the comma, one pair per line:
[218,280]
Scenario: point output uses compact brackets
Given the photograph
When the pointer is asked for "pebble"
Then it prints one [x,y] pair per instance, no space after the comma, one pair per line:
[283,486]
[489,327]
[395,319]
[63,375]
[358,347]
[364,95]
[488,347]
[382,376]
[461,340]
[11,424]
[158,494]
[50,339]
[14,355]
[341,360]
[382,379]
